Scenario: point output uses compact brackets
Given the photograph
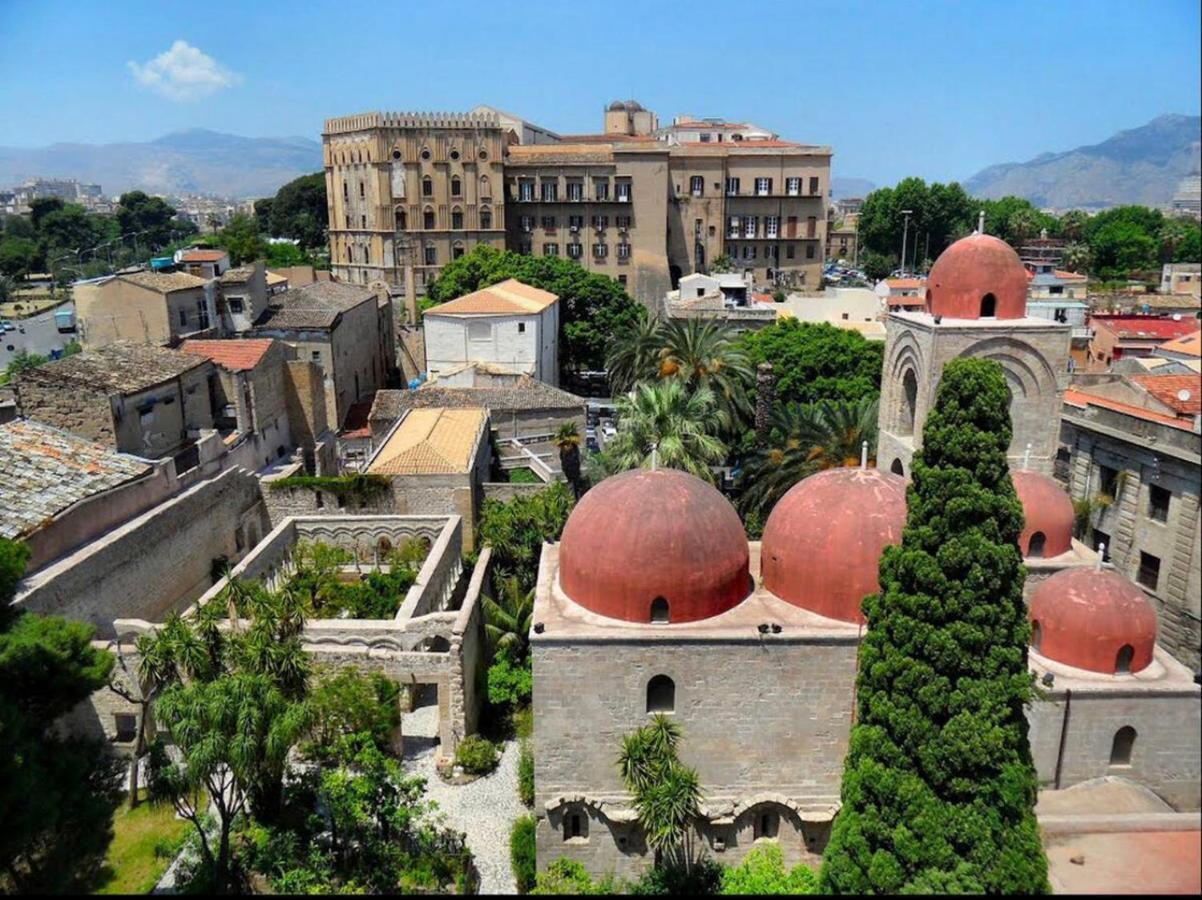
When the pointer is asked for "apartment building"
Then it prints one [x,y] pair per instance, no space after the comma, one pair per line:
[641,204]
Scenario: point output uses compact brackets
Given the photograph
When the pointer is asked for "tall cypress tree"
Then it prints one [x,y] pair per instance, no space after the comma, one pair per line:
[939,788]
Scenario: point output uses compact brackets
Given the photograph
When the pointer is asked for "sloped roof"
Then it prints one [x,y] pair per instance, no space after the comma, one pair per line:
[1190,344]
[316,305]
[237,355]
[433,441]
[1180,393]
[123,367]
[203,255]
[506,298]
[1082,399]
[525,393]
[237,275]
[164,282]
[46,470]
[1145,327]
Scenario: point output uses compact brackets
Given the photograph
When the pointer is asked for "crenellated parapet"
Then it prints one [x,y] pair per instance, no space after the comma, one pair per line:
[367,121]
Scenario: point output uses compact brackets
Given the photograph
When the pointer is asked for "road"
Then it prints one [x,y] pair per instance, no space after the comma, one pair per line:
[36,334]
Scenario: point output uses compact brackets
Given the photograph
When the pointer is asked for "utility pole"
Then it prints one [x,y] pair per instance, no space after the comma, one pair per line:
[905,231]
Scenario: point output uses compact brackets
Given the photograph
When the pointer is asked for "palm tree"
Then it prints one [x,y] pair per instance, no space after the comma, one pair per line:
[567,439]
[666,793]
[507,623]
[705,353]
[805,439]
[635,354]
[672,422]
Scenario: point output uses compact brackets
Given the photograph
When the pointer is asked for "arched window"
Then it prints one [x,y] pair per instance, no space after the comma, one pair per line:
[697,185]
[1036,635]
[1124,743]
[362,191]
[402,221]
[485,190]
[909,402]
[661,695]
[457,219]
[427,186]
[456,188]
[1035,545]
[659,611]
[428,218]
[383,547]
[349,255]
[486,218]
[366,259]
[1122,661]
[988,306]
[575,826]
[897,468]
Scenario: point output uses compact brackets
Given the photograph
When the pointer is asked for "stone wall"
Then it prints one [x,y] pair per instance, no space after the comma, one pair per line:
[763,723]
[82,411]
[155,563]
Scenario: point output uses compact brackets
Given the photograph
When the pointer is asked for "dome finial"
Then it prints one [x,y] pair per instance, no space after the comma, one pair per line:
[1101,555]
[864,455]
[981,222]
[1027,456]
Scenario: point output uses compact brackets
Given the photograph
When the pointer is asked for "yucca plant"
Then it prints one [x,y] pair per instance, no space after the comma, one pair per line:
[507,619]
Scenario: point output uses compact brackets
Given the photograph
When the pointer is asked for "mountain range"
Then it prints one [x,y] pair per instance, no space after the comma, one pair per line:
[196,161]
[1141,165]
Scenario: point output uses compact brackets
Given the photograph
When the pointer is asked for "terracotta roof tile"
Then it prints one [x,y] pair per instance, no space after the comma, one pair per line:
[237,355]
[1181,393]
[46,470]
[164,282]
[1145,327]
[1081,399]
[122,367]
[525,393]
[1190,344]
[203,256]
[434,441]
[508,297]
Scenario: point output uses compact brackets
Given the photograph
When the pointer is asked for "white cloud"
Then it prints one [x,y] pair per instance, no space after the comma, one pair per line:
[183,73]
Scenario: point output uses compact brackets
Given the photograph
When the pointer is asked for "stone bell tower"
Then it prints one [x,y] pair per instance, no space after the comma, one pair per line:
[976,306]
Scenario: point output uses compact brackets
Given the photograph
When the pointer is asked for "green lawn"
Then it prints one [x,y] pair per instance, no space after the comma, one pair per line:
[131,866]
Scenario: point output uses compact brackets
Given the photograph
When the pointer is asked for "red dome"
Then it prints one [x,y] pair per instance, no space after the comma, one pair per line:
[823,541]
[1093,619]
[644,536]
[1048,511]
[970,272]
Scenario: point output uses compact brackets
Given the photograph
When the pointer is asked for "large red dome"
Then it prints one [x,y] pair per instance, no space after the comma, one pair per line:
[976,277]
[645,536]
[1093,619]
[823,541]
[1048,512]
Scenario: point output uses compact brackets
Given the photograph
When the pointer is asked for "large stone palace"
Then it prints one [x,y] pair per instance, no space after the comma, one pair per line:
[641,204]
[654,601]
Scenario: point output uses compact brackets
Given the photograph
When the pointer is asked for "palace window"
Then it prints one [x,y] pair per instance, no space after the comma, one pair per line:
[763,187]
[457,219]
[575,191]
[600,251]
[548,223]
[428,218]
[550,191]
[486,218]
[697,185]
[601,188]
[526,190]
[622,190]
[793,186]
[575,251]
[550,249]
[750,225]
[1149,570]
[623,251]
[732,227]
[456,188]
[1158,503]
[814,184]
[575,223]
[427,187]
[771,226]
[431,256]
[732,187]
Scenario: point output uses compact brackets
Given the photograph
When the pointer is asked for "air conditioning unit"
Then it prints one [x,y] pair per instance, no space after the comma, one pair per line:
[574,228]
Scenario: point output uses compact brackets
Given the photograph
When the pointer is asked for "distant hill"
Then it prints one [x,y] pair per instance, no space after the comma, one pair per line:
[195,161]
[1143,165]
[841,188]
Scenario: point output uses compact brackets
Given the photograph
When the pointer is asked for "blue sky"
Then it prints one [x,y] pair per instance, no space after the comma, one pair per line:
[929,87]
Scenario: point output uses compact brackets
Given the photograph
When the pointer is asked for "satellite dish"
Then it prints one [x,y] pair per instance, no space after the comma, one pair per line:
[1183,395]
[1176,317]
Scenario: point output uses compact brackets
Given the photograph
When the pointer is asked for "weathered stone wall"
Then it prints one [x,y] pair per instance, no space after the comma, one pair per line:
[762,722]
[153,564]
[1166,750]
[81,410]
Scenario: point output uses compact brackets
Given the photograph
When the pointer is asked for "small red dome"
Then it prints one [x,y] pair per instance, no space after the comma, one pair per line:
[1048,512]
[976,277]
[823,541]
[1093,619]
[645,536]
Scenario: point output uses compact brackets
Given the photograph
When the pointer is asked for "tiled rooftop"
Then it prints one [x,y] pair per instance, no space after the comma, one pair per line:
[46,470]
[203,256]
[1082,399]
[508,297]
[237,355]
[1145,327]
[525,394]
[431,442]
[164,282]
[1180,393]
[237,275]
[316,305]
[1190,344]
[123,367]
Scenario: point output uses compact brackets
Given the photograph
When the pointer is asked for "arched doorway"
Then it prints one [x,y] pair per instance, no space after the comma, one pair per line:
[988,306]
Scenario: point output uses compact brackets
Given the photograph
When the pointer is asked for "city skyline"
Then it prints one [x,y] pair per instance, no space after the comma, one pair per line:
[860,83]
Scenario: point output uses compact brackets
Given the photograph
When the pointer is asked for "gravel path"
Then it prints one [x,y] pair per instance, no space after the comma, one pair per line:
[484,810]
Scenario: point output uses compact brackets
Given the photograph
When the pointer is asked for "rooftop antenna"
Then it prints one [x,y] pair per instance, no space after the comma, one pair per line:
[1027,456]
[1101,556]
[981,222]
[864,455]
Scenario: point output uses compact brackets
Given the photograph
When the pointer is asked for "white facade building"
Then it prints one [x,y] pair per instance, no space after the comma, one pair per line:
[511,325]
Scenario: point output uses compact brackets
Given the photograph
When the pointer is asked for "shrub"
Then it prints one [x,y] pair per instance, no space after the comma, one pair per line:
[347,701]
[763,872]
[509,679]
[702,878]
[526,774]
[476,755]
[566,876]
[522,855]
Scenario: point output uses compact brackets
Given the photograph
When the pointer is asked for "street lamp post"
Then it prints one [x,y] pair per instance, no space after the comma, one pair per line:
[905,232]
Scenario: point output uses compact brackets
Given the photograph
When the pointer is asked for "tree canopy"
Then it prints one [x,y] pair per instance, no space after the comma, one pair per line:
[593,309]
[939,787]
[298,211]
[816,361]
